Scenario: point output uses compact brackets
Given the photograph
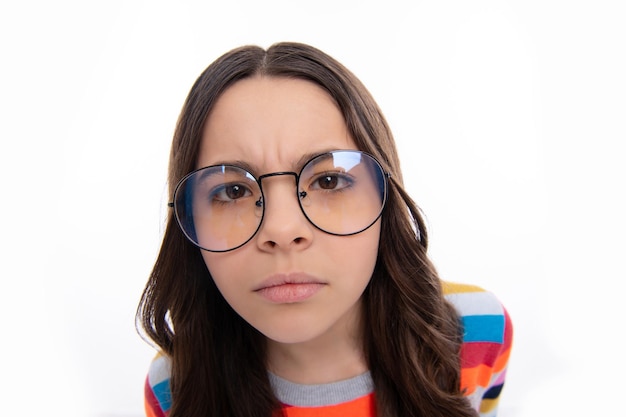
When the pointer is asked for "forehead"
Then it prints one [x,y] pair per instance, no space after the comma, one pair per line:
[271,121]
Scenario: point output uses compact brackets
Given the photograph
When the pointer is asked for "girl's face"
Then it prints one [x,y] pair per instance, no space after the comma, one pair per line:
[292,282]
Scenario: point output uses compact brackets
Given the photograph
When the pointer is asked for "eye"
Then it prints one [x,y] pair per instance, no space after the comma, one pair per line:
[330,181]
[230,192]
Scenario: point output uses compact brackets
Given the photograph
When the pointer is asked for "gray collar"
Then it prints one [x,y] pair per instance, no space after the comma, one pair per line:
[323,394]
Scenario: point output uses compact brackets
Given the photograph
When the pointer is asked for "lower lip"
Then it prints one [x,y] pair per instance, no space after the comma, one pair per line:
[290,293]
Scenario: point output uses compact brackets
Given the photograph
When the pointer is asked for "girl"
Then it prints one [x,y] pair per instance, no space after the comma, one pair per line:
[293,277]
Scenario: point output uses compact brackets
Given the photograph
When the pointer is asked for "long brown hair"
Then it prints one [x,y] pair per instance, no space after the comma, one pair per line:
[412,336]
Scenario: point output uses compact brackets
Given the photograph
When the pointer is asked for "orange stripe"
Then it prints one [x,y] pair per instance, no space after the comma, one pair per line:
[363,406]
[148,409]
[477,376]
[502,360]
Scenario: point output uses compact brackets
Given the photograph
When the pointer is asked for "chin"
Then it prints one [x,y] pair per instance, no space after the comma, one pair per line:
[294,332]
[290,337]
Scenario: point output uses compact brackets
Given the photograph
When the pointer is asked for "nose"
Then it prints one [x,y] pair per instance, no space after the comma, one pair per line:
[284,226]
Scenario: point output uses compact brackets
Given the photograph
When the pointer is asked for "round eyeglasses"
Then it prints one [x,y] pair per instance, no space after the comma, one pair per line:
[221,207]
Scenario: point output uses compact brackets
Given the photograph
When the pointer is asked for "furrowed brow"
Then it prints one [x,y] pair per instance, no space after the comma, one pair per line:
[237,163]
[308,156]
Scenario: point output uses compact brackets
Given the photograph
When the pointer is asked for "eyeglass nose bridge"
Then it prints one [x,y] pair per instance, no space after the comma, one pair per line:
[295,175]
[276,174]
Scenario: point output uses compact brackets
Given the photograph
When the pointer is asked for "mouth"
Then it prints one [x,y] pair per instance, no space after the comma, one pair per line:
[289,288]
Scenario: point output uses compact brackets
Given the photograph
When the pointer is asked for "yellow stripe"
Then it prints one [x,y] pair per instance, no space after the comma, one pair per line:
[488,404]
[455,288]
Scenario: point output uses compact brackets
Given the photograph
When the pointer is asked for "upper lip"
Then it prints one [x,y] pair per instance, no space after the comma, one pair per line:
[290,278]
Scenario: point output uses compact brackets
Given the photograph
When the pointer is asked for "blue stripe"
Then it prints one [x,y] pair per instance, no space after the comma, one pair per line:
[163,394]
[483,328]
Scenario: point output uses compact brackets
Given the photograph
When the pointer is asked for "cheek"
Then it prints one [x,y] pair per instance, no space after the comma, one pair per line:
[369,248]
[355,256]
[224,269]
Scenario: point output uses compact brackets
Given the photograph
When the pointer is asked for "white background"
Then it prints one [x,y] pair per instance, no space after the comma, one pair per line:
[509,116]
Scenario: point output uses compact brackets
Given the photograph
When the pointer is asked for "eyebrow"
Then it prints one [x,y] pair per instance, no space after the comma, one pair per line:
[236,163]
[297,166]
[206,173]
[308,156]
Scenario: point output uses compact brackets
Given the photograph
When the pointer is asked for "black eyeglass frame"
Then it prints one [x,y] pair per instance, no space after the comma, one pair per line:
[299,196]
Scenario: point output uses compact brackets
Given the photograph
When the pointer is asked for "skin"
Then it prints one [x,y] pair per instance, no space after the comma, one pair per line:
[269,124]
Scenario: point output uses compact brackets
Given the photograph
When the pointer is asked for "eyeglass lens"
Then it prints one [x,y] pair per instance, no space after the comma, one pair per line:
[220,208]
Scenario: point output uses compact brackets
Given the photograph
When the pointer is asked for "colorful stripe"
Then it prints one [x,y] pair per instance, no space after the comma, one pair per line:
[483,329]
[151,404]
[487,340]
[158,397]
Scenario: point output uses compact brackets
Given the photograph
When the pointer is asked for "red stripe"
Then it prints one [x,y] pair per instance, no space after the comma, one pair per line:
[486,353]
[479,353]
[508,331]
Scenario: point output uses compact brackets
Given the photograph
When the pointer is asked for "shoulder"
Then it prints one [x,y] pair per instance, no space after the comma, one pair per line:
[483,316]
[487,340]
[480,310]
[158,398]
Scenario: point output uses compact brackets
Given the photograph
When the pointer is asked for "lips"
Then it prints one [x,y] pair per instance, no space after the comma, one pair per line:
[289,288]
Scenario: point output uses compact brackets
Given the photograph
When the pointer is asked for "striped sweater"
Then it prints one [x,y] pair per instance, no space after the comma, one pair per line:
[485,352]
